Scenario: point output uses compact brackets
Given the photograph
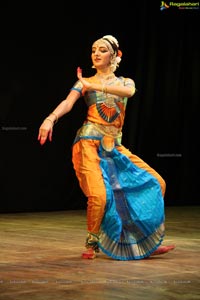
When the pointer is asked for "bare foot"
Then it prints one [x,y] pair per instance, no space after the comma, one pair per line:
[163,249]
[89,253]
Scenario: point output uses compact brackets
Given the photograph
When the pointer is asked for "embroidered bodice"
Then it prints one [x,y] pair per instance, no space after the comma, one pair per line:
[105,108]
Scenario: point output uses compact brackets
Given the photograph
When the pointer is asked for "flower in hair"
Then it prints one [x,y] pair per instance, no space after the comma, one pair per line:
[118,59]
[119,53]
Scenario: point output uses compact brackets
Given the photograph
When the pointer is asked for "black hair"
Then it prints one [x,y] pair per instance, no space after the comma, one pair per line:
[113,45]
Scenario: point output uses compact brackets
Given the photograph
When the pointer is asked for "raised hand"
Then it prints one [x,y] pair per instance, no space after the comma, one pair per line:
[79,73]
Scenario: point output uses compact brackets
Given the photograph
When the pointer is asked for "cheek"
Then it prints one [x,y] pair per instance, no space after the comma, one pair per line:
[107,59]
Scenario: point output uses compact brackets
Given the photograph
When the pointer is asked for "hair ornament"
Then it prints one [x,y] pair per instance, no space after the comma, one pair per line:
[119,53]
[118,59]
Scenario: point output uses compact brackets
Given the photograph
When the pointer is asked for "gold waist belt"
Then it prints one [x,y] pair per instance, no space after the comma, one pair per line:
[99,130]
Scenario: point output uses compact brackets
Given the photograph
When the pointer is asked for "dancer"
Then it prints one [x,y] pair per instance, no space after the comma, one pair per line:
[125,196]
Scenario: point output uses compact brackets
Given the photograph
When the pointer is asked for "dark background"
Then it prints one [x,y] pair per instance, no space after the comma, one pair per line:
[41,47]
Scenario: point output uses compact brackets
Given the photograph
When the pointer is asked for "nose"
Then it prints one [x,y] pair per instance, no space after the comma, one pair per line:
[96,52]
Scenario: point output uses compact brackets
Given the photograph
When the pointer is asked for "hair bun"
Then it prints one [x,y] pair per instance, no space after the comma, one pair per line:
[112,39]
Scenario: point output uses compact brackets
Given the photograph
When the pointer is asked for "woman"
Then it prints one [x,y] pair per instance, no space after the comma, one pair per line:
[125,207]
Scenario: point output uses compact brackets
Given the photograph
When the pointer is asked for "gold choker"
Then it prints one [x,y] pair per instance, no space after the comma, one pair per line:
[105,77]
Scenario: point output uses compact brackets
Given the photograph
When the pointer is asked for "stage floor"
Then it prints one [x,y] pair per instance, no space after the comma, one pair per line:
[40,259]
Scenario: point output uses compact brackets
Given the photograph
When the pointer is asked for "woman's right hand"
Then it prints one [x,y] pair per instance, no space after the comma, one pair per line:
[45,131]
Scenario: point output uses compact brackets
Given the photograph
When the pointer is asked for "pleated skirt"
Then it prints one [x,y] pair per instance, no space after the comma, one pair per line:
[133,224]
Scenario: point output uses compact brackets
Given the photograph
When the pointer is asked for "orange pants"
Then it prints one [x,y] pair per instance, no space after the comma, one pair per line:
[87,168]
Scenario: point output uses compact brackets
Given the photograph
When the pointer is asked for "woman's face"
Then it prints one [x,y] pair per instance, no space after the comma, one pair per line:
[101,55]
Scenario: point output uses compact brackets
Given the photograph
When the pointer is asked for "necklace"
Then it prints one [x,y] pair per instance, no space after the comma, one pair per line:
[105,77]
[107,104]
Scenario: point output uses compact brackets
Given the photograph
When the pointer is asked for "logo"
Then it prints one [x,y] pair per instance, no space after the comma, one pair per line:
[179,5]
[164,5]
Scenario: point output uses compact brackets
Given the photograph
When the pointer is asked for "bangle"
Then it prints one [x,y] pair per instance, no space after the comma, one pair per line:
[56,120]
[50,121]
[104,89]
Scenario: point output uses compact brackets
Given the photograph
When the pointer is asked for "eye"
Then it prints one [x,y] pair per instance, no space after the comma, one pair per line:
[104,50]
[100,49]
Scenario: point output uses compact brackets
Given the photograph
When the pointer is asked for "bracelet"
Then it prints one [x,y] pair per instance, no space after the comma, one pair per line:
[56,120]
[104,89]
[50,121]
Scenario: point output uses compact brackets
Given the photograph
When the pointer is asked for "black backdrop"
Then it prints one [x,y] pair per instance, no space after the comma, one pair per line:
[41,48]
